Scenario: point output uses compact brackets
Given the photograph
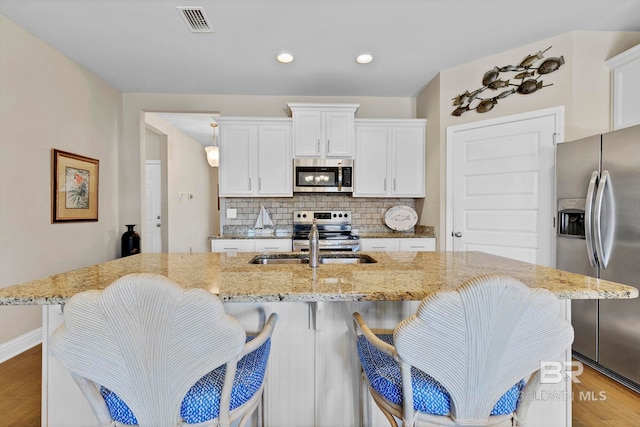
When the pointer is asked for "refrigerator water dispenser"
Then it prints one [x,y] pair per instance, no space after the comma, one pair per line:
[571,217]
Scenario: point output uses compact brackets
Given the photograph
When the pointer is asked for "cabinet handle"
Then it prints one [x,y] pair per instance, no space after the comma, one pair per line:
[385,184]
[259,183]
[230,249]
[394,184]
[318,146]
[378,247]
[271,247]
[249,183]
[328,146]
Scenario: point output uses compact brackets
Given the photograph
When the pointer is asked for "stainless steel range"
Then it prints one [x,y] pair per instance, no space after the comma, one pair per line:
[334,229]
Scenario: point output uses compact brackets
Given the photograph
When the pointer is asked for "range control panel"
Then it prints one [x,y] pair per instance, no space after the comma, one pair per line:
[322,217]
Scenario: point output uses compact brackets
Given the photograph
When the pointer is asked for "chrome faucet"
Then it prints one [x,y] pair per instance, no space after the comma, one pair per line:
[314,242]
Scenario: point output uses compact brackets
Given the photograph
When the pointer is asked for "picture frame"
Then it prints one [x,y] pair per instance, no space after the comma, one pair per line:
[74,187]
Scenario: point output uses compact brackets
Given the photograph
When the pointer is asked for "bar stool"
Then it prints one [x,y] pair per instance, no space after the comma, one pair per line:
[145,351]
[468,357]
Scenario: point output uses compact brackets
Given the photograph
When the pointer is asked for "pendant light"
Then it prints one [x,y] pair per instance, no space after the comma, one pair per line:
[213,151]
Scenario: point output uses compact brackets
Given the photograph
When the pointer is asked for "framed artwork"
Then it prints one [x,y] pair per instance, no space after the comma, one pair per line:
[74,187]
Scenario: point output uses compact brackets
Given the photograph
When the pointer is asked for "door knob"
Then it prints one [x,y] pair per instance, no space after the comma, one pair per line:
[457,234]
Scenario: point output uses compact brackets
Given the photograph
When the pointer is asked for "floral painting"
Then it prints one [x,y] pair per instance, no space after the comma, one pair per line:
[77,188]
[74,187]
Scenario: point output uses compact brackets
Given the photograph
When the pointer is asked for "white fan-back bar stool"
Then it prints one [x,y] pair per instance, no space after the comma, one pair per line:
[468,357]
[148,352]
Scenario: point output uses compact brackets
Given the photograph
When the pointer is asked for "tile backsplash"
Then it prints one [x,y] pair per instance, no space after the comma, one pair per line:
[367,213]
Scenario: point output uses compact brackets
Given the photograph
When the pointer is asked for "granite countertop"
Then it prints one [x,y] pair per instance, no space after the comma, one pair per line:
[396,276]
[420,231]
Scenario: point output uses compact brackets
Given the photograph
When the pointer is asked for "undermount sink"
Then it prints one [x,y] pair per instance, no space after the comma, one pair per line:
[349,258]
[266,259]
[333,258]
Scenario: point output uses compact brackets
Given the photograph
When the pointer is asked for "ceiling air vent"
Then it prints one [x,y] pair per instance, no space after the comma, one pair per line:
[195,19]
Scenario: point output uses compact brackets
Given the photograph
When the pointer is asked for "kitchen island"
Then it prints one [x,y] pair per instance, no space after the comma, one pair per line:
[313,372]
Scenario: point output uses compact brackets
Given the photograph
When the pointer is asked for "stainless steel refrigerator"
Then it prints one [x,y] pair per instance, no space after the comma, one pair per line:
[598,190]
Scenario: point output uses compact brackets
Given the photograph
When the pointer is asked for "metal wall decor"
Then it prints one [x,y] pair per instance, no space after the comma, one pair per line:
[527,73]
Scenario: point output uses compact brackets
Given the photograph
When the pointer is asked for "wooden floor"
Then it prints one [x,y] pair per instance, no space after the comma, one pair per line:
[20,384]
[597,400]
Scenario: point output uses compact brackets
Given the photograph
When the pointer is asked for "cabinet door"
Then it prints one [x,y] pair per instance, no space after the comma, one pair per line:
[275,176]
[232,245]
[272,245]
[307,133]
[408,160]
[625,68]
[418,245]
[339,133]
[371,161]
[379,245]
[237,159]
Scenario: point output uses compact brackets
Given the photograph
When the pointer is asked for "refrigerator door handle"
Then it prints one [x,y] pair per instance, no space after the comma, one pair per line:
[588,222]
[603,258]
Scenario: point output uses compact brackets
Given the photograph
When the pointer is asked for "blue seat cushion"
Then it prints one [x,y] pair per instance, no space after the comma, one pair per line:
[429,396]
[202,401]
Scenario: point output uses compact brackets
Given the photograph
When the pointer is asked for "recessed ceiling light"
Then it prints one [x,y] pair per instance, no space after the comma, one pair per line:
[365,58]
[284,58]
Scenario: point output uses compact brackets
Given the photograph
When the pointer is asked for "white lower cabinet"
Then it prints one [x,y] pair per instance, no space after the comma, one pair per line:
[421,244]
[250,245]
[272,245]
[417,245]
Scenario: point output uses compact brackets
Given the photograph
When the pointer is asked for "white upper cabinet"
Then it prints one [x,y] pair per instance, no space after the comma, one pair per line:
[390,158]
[625,69]
[255,157]
[323,130]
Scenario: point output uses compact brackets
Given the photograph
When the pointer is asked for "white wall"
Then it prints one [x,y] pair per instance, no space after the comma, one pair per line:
[47,101]
[188,220]
[581,85]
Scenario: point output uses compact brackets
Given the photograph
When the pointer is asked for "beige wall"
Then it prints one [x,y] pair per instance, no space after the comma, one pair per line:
[188,220]
[135,104]
[428,105]
[48,101]
[581,85]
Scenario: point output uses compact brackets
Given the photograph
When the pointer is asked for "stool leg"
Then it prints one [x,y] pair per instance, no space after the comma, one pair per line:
[365,403]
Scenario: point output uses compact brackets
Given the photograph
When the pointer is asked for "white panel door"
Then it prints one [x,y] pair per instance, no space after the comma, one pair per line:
[503,186]
[153,236]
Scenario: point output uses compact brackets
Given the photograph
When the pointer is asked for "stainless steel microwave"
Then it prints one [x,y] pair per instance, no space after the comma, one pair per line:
[323,175]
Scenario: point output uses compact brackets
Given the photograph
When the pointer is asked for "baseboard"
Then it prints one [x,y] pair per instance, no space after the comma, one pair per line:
[20,344]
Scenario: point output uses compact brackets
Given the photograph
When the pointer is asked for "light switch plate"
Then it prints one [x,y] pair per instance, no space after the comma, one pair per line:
[232,213]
